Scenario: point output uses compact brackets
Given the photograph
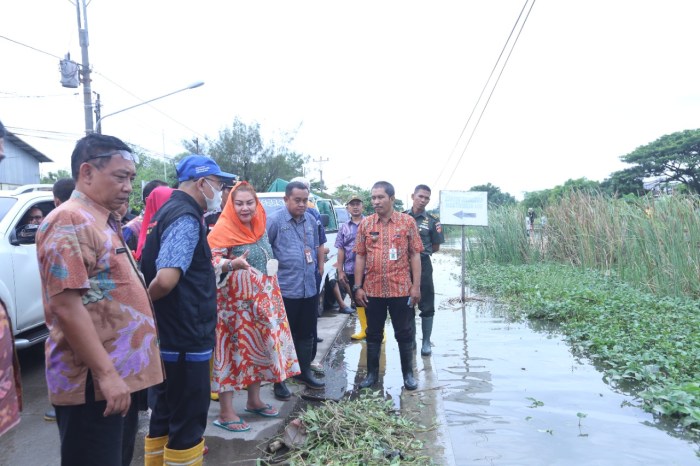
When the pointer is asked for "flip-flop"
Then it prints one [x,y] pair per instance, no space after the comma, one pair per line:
[267,411]
[233,426]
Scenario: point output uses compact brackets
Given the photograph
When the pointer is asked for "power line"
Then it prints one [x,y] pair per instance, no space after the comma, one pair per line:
[492,91]
[105,78]
[483,90]
[30,47]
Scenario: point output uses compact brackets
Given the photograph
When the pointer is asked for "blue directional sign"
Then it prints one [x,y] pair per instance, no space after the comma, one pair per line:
[464,208]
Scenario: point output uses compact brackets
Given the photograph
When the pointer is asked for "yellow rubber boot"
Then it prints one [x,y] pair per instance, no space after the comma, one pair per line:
[362,317]
[213,395]
[191,457]
[154,447]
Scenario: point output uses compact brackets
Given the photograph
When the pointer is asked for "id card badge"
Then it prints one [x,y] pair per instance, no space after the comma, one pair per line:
[309,257]
[393,254]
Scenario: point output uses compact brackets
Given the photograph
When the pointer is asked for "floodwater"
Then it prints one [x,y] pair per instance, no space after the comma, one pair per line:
[513,393]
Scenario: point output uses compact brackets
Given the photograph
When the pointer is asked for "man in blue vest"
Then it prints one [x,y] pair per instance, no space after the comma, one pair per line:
[176,263]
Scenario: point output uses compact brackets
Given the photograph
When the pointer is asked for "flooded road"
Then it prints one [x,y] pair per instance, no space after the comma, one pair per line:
[515,395]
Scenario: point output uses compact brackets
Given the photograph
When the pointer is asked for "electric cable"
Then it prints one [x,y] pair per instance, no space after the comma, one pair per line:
[483,90]
[492,91]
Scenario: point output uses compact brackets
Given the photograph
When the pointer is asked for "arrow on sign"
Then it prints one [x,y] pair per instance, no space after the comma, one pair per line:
[462,214]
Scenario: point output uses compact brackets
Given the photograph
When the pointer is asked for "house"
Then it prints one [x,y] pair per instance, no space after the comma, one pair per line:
[21,163]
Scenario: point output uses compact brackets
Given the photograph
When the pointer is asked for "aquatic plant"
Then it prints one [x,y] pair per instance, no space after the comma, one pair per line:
[646,344]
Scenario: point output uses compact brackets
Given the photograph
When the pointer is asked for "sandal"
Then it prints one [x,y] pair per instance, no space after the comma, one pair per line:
[233,426]
[265,411]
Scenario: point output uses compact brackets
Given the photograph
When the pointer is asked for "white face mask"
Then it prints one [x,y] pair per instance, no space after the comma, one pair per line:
[214,203]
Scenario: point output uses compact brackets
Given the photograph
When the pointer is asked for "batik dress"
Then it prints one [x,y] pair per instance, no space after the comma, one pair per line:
[253,339]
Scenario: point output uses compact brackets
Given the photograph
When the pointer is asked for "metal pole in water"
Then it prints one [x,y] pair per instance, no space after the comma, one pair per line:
[463,264]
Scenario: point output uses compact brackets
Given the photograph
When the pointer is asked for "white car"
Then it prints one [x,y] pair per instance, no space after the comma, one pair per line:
[20,284]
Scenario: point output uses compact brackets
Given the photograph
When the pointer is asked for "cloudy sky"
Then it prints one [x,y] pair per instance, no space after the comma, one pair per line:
[381,90]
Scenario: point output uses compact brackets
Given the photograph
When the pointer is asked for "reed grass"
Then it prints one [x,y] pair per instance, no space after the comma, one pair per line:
[653,244]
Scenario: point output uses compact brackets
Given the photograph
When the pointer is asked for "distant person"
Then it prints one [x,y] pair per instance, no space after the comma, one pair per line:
[132,229]
[11,391]
[62,190]
[154,202]
[387,278]
[345,243]
[176,264]
[431,236]
[530,222]
[102,350]
[33,217]
[253,340]
[293,235]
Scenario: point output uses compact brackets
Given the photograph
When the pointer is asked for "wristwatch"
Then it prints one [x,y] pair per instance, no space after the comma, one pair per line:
[355,288]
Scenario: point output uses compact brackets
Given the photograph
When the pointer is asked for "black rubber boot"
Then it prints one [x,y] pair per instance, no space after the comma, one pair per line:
[281,391]
[305,350]
[427,325]
[406,353]
[373,349]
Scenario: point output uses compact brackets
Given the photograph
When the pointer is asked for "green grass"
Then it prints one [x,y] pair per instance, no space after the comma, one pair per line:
[636,336]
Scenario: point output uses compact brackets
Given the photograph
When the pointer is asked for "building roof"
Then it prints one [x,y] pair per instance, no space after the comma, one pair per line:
[26,147]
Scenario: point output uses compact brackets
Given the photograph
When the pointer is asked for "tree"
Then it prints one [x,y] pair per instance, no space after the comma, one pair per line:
[241,150]
[494,196]
[675,157]
[623,182]
[52,177]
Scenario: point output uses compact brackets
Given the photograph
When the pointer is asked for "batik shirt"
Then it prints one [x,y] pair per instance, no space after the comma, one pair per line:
[384,277]
[80,248]
[346,240]
[10,390]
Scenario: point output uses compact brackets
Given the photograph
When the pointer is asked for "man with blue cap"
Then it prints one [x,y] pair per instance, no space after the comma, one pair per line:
[176,263]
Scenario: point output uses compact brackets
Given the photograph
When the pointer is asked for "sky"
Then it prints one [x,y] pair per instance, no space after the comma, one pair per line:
[370,90]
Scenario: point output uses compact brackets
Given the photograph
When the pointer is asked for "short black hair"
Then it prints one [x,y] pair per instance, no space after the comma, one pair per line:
[91,145]
[63,188]
[294,185]
[423,187]
[150,186]
[386,186]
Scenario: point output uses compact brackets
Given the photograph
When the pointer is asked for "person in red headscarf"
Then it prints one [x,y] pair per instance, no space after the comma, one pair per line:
[253,339]
[154,201]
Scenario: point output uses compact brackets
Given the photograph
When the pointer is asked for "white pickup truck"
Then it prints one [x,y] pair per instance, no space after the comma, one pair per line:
[20,284]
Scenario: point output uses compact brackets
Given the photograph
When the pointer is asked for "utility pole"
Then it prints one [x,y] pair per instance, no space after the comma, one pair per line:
[320,162]
[85,71]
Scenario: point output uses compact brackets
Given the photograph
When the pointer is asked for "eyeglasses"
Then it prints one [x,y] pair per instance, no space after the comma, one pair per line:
[125,154]
[217,183]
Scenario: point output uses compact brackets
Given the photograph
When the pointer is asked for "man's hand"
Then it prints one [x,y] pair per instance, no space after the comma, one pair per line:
[361,297]
[81,335]
[343,280]
[116,393]
[414,294]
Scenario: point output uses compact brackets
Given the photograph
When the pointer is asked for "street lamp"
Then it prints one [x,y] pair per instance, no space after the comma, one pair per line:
[98,124]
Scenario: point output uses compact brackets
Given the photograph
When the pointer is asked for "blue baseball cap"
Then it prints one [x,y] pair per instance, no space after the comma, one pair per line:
[194,167]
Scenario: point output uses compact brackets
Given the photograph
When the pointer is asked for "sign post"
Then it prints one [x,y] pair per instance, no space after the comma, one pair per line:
[465,208]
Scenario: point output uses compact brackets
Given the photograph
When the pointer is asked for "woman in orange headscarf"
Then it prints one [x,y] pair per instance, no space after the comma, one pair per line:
[253,340]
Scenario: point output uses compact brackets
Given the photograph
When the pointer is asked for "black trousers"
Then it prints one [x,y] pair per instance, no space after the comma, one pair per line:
[181,403]
[402,318]
[301,313]
[89,438]
[427,289]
